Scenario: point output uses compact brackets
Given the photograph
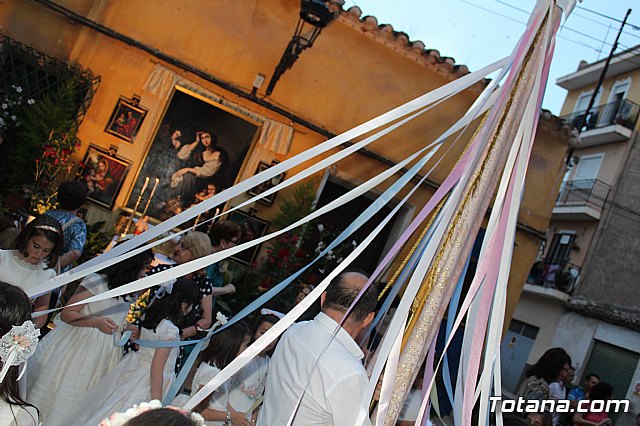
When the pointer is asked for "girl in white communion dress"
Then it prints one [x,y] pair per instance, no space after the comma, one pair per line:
[146,374]
[80,350]
[223,348]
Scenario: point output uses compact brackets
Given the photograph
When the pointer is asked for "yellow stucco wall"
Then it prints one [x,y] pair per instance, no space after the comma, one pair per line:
[353,73]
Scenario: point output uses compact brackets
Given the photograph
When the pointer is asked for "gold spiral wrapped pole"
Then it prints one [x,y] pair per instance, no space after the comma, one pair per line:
[458,241]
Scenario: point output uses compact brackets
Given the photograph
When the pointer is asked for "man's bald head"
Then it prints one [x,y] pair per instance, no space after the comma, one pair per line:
[342,291]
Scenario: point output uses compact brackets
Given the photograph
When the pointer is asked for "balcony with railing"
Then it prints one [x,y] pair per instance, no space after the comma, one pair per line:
[581,199]
[612,122]
[553,278]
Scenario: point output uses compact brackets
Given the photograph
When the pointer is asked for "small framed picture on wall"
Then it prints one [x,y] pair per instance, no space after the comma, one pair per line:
[252,227]
[126,119]
[103,174]
[264,186]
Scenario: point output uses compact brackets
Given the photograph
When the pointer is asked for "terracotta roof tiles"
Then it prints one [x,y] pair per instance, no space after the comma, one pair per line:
[416,49]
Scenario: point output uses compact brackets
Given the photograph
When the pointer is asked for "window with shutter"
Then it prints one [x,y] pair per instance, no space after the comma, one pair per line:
[614,365]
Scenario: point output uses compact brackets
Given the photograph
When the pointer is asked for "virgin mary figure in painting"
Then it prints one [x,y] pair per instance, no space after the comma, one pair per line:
[205,163]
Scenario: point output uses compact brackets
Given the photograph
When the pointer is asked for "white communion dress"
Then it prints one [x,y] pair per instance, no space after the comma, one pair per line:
[71,359]
[247,385]
[14,415]
[219,397]
[129,382]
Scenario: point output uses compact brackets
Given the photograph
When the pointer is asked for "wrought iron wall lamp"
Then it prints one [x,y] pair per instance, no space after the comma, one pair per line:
[314,16]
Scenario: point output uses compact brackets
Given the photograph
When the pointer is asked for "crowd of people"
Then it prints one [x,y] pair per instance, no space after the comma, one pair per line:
[550,378]
[85,370]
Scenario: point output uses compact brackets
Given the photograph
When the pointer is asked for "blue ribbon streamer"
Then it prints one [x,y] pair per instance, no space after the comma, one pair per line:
[453,309]
[357,223]
[402,278]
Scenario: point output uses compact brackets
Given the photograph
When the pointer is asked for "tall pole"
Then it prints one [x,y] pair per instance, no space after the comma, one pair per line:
[603,74]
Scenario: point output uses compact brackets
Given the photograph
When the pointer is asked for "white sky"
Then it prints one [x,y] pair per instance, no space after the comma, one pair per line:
[479,32]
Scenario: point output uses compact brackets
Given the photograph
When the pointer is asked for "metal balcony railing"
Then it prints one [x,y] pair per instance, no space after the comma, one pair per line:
[583,192]
[557,274]
[624,113]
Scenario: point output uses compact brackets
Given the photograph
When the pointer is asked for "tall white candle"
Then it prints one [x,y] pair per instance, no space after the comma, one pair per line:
[144,187]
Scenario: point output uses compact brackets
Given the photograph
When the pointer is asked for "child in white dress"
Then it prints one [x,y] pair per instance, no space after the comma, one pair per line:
[80,350]
[247,385]
[15,309]
[146,374]
[222,349]
[38,247]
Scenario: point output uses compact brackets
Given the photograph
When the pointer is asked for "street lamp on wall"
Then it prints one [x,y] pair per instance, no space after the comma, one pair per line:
[314,16]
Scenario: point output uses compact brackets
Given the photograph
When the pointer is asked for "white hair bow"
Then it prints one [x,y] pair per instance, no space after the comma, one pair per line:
[165,288]
[16,346]
[265,311]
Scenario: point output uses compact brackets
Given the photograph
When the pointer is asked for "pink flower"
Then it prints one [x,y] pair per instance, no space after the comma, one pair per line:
[22,341]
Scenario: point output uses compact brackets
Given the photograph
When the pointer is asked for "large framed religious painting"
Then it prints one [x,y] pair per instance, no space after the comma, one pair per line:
[199,149]
[252,227]
[103,174]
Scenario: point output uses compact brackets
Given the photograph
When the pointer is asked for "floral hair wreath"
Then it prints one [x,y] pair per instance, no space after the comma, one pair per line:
[17,345]
[119,419]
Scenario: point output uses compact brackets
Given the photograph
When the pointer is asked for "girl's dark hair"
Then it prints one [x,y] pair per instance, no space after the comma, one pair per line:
[47,227]
[161,416]
[15,309]
[602,391]
[128,270]
[224,230]
[268,318]
[170,305]
[550,364]
[224,346]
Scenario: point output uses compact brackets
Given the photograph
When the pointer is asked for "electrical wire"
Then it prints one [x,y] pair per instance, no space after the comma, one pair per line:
[494,12]
[580,43]
[603,24]
[635,27]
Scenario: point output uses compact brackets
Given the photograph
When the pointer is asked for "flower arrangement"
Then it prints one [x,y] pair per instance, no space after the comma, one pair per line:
[137,308]
[11,107]
[42,146]
[286,254]
[121,418]
[17,345]
[283,257]
[54,164]
[337,254]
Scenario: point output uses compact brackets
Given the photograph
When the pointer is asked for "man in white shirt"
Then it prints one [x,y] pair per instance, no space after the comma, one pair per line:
[333,384]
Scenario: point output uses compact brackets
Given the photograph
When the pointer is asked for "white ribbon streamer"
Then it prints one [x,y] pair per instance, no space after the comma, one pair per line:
[390,116]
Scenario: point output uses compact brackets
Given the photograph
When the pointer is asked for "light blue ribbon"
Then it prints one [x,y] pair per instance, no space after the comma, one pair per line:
[453,309]
[357,223]
[402,278]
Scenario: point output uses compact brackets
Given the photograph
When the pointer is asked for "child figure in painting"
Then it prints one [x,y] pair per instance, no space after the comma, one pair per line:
[148,373]
[207,193]
[222,349]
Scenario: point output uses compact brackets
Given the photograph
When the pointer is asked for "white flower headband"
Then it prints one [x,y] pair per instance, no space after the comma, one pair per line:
[17,345]
[47,228]
[119,419]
